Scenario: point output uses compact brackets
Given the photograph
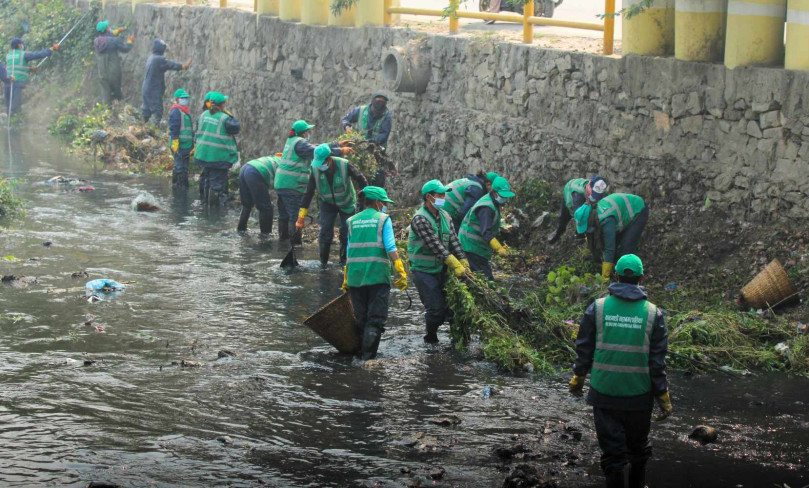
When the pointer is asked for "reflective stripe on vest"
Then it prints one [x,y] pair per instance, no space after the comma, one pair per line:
[293,172]
[576,185]
[213,144]
[267,166]
[623,206]
[422,257]
[471,236]
[15,60]
[341,193]
[365,116]
[456,195]
[186,136]
[368,262]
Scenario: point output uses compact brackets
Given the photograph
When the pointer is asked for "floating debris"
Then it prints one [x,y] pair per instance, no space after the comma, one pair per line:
[145,202]
[226,353]
[447,421]
[704,434]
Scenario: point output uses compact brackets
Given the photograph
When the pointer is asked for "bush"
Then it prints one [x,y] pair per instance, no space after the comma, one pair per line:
[77,124]
[10,204]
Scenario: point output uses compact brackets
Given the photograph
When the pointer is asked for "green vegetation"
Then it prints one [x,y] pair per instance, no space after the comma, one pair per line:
[78,122]
[10,204]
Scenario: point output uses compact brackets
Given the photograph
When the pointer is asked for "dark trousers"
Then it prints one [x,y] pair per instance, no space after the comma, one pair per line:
[179,175]
[564,218]
[110,90]
[370,306]
[433,297]
[479,264]
[328,216]
[213,184]
[629,239]
[253,190]
[623,436]
[288,208]
[17,99]
[152,106]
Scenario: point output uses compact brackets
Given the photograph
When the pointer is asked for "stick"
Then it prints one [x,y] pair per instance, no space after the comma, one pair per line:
[68,33]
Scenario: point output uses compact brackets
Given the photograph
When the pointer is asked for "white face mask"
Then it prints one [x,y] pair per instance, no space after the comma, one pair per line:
[324,167]
[384,209]
[500,200]
[439,202]
[183,101]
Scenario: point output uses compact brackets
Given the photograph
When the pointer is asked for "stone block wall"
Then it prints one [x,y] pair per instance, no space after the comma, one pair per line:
[669,130]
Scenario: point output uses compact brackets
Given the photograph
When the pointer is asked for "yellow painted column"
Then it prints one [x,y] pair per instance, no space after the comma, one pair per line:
[315,12]
[609,27]
[527,29]
[370,12]
[755,33]
[347,18]
[289,10]
[650,33]
[268,7]
[797,50]
[699,29]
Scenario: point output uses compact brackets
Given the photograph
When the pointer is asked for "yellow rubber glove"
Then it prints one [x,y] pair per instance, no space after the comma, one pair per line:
[345,279]
[401,283]
[454,265]
[576,386]
[606,270]
[117,31]
[175,145]
[666,408]
[301,218]
[130,39]
[497,247]
[465,263]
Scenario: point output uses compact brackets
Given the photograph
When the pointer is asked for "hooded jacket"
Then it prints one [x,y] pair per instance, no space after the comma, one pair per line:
[108,60]
[154,83]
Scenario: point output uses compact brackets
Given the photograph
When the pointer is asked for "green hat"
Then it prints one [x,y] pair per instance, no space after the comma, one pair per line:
[322,153]
[217,98]
[376,193]
[102,26]
[433,186]
[181,94]
[629,262]
[501,186]
[381,95]
[582,217]
[302,125]
[492,176]
[207,96]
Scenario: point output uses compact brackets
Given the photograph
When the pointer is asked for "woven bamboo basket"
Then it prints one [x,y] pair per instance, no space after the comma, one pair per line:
[335,323]
[770,288]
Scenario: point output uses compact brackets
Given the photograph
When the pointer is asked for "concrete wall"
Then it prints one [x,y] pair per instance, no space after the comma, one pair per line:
[665,129]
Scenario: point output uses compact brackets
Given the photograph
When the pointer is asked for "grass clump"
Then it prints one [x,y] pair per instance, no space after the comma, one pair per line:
[10,204]
[78,122]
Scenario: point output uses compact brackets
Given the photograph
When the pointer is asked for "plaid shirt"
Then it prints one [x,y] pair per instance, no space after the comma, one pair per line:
[424,229]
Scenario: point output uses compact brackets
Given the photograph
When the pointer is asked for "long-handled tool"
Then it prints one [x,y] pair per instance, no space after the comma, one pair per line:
[66,35]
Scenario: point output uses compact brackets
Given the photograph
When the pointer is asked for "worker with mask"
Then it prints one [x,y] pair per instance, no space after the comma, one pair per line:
[622,342]
[433,248]
[181,138]
[575,194]
[18,72]
[154,83]
[107,47]
[331,176]
[614,229]
[292,177]
[216,150]
[367,274]
[255,181]
[463,194]
[480,227]
[374,122]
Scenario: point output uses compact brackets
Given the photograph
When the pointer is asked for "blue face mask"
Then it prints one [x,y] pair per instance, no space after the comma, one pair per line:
[324,167]
[183,101]
[384,209]
[307,138]
[500,200]
[439,202]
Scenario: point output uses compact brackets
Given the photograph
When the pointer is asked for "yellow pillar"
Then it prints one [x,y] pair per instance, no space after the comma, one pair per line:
[651,32]
[290,10]
[370,12]
[315,12]
[454,25]
[223,3]
[797,54]
[755,33]
[528,29]
[345,19]
[267,7]
[609,27]
[699,29]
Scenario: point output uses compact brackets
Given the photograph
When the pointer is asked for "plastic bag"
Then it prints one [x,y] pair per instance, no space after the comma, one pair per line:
[95,287]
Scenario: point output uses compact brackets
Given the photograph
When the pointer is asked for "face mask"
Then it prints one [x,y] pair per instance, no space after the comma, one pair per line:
[439,202]
[500,200]
[324,167]
[307,138]
[183,101]
[378,107]
[384,209]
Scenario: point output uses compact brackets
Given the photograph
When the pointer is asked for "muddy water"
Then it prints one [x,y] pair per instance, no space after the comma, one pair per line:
[295,413]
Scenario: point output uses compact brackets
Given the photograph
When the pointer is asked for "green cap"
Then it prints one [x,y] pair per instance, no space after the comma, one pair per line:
[629,262]
[433,186]
[217,98]
[207,96]
[322,153]
[102,26]
[582,217]
[381,95]
[501,186]
[181,94]
[376,193]
[492,176]
[302,125]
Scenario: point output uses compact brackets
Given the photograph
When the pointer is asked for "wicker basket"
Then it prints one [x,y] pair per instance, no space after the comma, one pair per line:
[769,288]
[335,323]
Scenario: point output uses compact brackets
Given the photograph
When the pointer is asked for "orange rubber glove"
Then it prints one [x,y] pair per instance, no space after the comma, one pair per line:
[346,150]
[301,218]
[55,47]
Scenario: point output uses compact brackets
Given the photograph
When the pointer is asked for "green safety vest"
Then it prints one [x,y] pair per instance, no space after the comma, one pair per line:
[213,143]
[456,196]
[470,235]
[363,119]
[421,257]
[623,333]
[15,62]
[368,262]
[622,206]
[293,172]
[575,185]
[267,166]
[342,194]
[186,136]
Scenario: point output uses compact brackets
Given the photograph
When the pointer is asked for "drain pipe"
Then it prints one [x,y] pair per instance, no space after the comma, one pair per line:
[406,69]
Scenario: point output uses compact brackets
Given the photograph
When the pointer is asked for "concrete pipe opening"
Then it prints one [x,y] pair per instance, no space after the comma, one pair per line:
[406,69]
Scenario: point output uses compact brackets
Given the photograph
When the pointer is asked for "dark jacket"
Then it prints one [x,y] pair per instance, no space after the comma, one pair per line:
[380,137]
[108,61]
[353,173]
[486,216]
[306,150]
[473,194]
[29,56]
[658,346]
[154,84]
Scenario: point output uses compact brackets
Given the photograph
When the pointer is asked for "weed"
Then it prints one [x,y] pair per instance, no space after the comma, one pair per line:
[10,204]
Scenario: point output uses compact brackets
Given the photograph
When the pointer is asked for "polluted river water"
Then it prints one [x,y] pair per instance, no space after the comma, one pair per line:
[89,392]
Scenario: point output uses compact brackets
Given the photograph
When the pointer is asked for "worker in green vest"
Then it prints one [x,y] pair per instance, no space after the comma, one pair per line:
[615,229]
[576,193]
[433,248]
[216,150]
[622,343]
[292,176]
[331,177]
[181,137]
[206,110]
[374,122]
[256,178]
[463,194]
[480,227]
[367,274]
[18,72]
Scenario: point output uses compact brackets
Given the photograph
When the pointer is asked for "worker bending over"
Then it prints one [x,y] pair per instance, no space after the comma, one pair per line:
[463,194]
[480,227]
[255,181]
[575,194]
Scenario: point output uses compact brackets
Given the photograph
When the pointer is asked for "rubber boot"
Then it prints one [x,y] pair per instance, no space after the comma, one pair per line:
[343,253]
[637,476]
[617,479]
[283,230]
[296,235]
[370,342]
[324,248]
[432,334]
[244,217]
[265,223]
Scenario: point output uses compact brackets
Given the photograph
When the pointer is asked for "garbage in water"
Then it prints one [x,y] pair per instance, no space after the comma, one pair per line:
[335,323]
[85,189]
[802,328]
[103,286]
[145,202]
[703,434]
[61,180]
